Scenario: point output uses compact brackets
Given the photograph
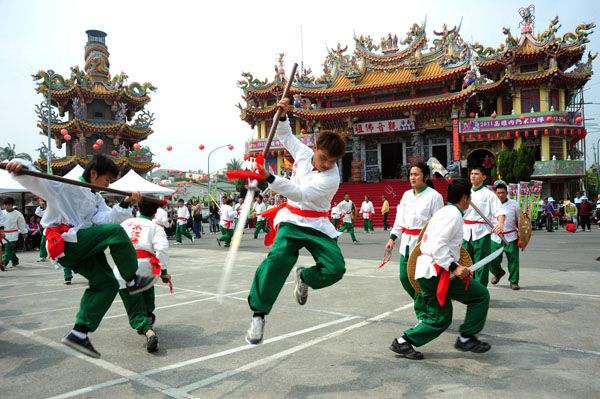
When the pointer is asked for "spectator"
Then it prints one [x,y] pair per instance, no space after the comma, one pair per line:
[213,217]
[570,213]
[549,215]
[585,212]
[464,166]
[577,202]
[385,210]
[197,218]
[34,232]
[598,212]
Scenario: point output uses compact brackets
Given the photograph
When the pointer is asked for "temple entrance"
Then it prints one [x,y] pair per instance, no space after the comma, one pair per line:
[391,161]
[485,158]
[347,167]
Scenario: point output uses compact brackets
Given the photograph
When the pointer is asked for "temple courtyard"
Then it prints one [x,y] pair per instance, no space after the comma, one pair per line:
[545,341]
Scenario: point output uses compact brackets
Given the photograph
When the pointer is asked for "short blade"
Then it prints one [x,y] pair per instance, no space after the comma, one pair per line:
[486,260]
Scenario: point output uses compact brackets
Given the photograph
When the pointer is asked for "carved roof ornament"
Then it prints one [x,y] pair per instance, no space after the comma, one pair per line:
[527,23]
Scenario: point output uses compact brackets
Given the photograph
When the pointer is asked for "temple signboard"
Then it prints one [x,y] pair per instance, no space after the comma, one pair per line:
[394,125]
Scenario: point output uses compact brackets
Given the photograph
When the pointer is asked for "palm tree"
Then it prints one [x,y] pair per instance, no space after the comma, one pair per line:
[7,153]
[234,164]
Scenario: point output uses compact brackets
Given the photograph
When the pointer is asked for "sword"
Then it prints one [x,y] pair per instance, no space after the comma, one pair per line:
[483,261]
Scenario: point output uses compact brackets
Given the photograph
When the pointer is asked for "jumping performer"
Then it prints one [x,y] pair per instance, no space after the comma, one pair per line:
[151,245]
[14,224]
[367,210]
[347,212]
[440,249]
[302,221]
[477,235]
[183,214]
[227,222]
[511,234]
[261,223]
[413,212]
[79,227]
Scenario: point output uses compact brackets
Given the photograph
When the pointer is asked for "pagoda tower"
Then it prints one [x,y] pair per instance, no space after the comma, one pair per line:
[98,112]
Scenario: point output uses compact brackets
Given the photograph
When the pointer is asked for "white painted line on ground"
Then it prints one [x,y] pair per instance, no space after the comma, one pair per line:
[218,377]
[113,368]
[43,292]
[525,290]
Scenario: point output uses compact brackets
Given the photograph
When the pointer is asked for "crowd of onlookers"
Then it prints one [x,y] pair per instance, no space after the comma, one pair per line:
[567,214]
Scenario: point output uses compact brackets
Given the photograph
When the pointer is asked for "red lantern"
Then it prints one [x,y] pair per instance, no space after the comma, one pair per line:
[472,115]
[246,156]
[303,131]
[489,136]
[579,132]
[497,136]
[549,119]
[180,173]
[169,148]
[462,138]
[470,137]
[279,152]
[479,137]
[579,119]
[517,133]
[494,115]
[170,171]
[230,148]
[191,181]
[255,142]
[67,137]
[206,176]
[273,153]
[64,132]
[99,142]
[138,156]
[522,118]
[190,175]
[201,146]
[565,132]
[535,132]
[158,165]
[96,147]
[557,132]
[507,135]
[526,133]
[572,132]
[136,146]
[285,152]
[114,153]
[545,132]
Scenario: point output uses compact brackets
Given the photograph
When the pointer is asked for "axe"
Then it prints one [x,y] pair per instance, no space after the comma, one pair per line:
[436,166]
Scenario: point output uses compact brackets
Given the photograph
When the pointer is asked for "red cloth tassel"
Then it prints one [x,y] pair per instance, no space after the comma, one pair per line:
[54,241]
[243,174]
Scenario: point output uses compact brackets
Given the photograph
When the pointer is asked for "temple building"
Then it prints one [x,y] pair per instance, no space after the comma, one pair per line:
[94,112]
[403,100]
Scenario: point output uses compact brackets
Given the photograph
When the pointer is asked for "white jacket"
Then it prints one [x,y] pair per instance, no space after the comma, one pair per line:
[367,209]
[413,212]
[345,211]
[161,218]
[147,235]
[15,223]
[228,214]
[183,214]
[511,207]
[441,242]
[489,204]
[335,212]
[259,209]
[307,189]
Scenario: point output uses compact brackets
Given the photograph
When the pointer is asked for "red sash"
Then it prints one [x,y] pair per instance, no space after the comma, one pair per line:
[473,222]
[508,232]
[444,283]
[143,254]
[227,223]
[271,213]
[54,240]
[10,231]
[411,232]
[368,215]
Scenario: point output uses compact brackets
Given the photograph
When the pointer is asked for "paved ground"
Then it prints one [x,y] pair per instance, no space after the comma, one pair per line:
[544,338]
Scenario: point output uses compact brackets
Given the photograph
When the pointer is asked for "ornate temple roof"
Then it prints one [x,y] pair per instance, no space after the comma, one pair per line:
[372,68]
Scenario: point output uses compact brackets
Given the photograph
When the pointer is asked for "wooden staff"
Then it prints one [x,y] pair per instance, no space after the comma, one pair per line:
[80,183]
[243,218]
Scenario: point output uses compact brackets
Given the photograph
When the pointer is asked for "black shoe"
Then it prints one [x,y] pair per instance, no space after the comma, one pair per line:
[405,349]
[152,317]
[82,345]
[2,267]
[152,343]
[142,283]
[472,345]
[67,281]
[219,242]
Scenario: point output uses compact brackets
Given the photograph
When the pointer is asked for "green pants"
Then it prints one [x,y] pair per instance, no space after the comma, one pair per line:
[350,228]
[87,258]
[512,256]
[419,305]
[43,252]
[274,270]
[438,318]
[478,250]
[181,230]
[10,253]
[226,235]
[368,224]
[336,223]
[68,273]
[139,307]
[261,225]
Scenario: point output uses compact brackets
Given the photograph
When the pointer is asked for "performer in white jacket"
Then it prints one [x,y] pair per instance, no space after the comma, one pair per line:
[259,207]
[367,210]
[161,217]
[511,234]
[183,214]
[79,227]
[477,238]
[227,221]
[440,249]
[335,214]
[417,206]
[14,224]
[302,221]
[347,211]
[152,248]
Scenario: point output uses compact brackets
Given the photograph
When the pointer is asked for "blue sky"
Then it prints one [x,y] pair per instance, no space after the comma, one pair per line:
[194,53]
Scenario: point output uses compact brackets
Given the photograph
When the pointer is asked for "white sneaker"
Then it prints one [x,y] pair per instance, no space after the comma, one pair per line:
[255,332]
[177,243]
[193,239]
[44,259]
[301,290]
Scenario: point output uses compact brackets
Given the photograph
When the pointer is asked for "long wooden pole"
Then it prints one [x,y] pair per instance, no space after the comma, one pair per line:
[243,218]
[80,184]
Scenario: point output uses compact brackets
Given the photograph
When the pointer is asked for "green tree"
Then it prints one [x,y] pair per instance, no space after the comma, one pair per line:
[7,153]
[234,164]
[591,182]
[514,166]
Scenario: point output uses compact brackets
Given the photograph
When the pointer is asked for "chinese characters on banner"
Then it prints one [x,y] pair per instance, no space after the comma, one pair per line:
[476,125]
[395,125]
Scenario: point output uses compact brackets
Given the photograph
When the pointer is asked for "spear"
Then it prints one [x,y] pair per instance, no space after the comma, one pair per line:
[252,187]
[80,183]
